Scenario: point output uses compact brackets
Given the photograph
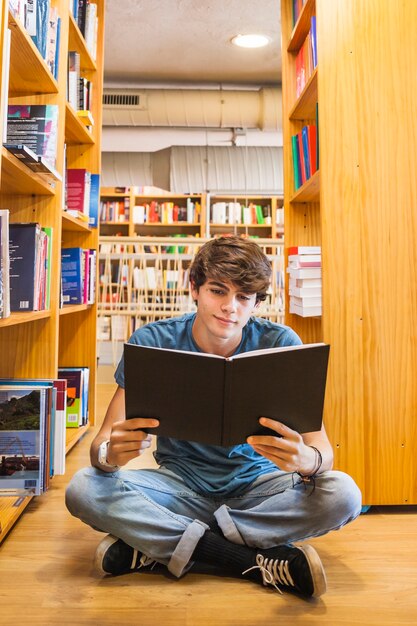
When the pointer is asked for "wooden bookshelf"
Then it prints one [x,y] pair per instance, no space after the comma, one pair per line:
[159,229]
[205,227]
[361,207]
[273,229]
[35,344]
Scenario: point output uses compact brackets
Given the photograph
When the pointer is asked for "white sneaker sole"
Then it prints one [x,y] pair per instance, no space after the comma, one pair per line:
[102,548]
[316,568]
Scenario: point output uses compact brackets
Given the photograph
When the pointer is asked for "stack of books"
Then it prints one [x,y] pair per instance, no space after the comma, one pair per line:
[304,269]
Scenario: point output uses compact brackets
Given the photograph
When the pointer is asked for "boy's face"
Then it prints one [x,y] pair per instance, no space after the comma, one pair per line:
[222,312]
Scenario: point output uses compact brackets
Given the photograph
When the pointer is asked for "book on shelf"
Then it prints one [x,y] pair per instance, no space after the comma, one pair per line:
[304,283]
[78,189]
[305,292]
[78,275]
[313,33]
[304,272]
[72,275]
[34,162]
[94,200]
[304,260]
[305,311]
[25,464]
[4,264]
[41,25]
[304,250]
[73,77]
[77,379]
[29,271]
[52,47]
[90,34]
[306,300]
[35,126]
[86,117]
[217,400]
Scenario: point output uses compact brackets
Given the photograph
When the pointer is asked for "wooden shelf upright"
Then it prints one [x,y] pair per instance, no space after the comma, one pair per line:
[35,344]
[361,208]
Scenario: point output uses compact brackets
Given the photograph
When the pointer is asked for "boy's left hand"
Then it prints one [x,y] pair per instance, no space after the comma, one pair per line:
[288,450]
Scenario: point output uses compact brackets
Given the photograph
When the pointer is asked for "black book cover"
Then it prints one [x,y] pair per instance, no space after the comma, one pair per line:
[213,400]
[23,240]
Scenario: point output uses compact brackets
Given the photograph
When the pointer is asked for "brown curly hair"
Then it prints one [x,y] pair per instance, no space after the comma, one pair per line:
[235,260]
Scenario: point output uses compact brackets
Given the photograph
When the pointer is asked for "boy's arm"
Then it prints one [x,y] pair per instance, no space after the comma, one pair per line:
[292,452]
[125,437]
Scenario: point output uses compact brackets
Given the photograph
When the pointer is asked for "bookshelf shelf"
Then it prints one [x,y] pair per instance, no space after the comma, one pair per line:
[74,224]
[302,26]
[11,508]
[310,191]
[304,108]
[68,309]
[17,178]
[73,436]
[75,131]
[23,318]
[29,73]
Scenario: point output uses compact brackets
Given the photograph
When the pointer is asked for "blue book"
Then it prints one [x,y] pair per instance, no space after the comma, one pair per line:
[42,23]
[58,39]
[94,200]
[313,35]
[72,275]
[304,134]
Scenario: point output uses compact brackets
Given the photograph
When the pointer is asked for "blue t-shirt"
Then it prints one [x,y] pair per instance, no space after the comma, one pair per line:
[212,470]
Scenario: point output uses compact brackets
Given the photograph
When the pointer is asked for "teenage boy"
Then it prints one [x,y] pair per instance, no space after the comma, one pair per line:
[234,510]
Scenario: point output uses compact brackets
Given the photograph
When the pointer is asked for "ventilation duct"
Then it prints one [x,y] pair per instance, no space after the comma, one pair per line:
[193,108]
[197,169]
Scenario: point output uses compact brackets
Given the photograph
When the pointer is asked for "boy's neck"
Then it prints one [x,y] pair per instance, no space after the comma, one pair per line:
[214,345]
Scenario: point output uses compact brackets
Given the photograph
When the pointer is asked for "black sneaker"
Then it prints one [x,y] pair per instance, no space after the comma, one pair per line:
[114,556]
[292,568]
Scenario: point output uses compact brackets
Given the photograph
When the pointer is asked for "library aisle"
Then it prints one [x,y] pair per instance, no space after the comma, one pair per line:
[46,571]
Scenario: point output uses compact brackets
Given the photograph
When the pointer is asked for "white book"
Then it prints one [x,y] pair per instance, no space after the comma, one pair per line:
[304,292]
[139,214]
[306,301]
[304,311]
[304,272]
[304,260]
[304,250]
[299,283]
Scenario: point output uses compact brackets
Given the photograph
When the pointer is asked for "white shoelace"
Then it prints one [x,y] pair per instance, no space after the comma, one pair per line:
[273,571]
[144,560]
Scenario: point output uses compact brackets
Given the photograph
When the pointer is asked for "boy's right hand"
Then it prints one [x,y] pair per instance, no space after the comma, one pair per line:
[128,440]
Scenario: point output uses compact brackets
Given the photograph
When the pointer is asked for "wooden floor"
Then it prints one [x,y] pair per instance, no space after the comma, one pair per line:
[46,575]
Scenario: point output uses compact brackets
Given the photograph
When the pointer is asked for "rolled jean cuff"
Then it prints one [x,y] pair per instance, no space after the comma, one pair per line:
[185,547]
[227,525]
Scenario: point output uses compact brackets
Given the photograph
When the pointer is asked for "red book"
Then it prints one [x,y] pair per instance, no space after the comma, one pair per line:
[312,147]
[77,187]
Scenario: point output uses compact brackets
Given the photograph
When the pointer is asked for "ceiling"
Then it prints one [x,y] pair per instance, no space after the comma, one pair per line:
[188,41]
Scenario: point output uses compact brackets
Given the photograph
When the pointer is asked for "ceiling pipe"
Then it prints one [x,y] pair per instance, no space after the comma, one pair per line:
[194,108]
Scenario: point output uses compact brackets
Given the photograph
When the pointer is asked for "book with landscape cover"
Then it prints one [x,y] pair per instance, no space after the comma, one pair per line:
[216,400]
[22,438]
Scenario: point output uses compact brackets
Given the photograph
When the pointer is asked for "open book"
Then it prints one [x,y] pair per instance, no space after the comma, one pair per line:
[216,400]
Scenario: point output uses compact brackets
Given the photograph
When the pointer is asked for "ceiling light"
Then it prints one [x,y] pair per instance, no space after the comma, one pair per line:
[251,41]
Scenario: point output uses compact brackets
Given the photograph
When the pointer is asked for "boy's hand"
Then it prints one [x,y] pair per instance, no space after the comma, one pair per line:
[127,440]
[288,451]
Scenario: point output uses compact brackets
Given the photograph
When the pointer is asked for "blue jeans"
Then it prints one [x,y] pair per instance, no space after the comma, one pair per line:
[153,510]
